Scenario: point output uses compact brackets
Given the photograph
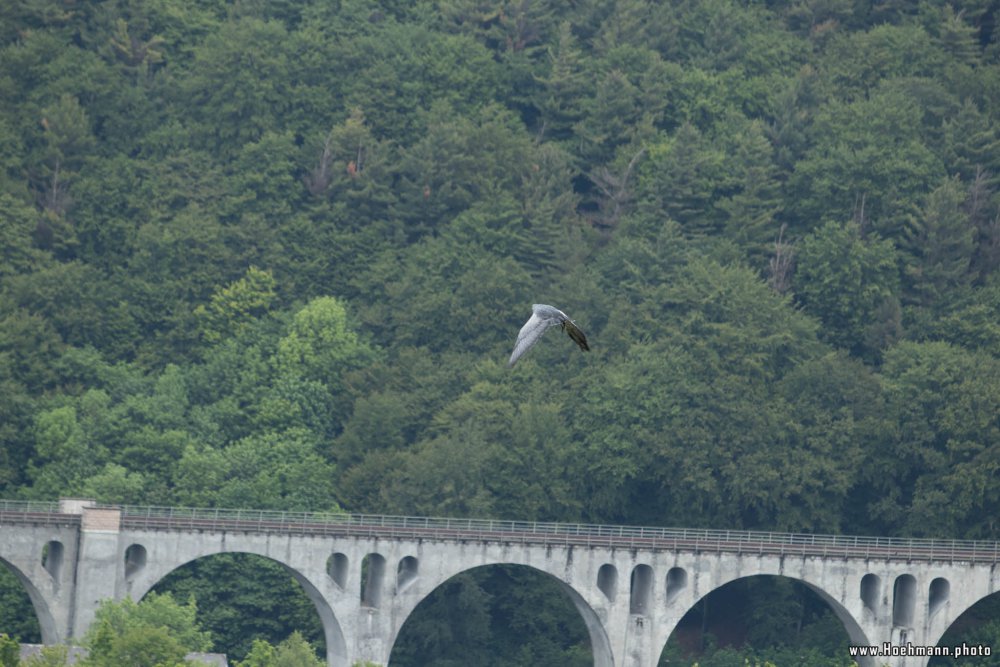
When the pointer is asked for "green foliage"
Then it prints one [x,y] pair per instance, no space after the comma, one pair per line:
[153,611]
[143,646]
[942,244]
[376,73]
[561,86]
[275,470]
[870,163]
[978,625]
[80,304]
[18,221]
[715,356]
[10,651]
[49,656]
[292,652]
[941,452]
[851,285]
[352,172]
[17,615]
[237,94]
[155,631]
[970,143]
[682,177]
[319,344]
[244,600]
[969,322]
[235,306]
[469,619]
[785,623]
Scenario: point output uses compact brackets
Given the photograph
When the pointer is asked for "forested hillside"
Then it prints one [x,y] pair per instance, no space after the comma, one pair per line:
[275,254]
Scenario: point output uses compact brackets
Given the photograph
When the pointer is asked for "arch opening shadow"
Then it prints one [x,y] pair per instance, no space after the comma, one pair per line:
[780,618]
[871,584]
[337,568]
[372,580]
[502,611]
[52,560]
[977,625]
[904,602]
[406,573]
[135,560]
[676,582]
[937,595]
[641,590]
[24,613]
[240,595]
[607,581]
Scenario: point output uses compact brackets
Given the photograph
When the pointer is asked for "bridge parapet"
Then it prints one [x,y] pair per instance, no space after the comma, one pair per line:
[497,530]
[35,512]
[562,534]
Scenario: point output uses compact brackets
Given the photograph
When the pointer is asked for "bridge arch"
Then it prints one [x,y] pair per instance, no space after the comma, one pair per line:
[336,646]
[46,621]
[599,640]
[956,616]
[855,632]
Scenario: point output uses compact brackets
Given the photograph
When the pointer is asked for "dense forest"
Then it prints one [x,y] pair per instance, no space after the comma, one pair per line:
[274,254]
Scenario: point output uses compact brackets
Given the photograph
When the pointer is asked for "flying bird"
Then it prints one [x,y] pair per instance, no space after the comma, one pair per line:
[543,317]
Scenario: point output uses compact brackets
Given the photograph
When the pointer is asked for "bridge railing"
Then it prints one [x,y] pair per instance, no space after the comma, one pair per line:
[34,511]
[522,532]
[29,505]
[538,532]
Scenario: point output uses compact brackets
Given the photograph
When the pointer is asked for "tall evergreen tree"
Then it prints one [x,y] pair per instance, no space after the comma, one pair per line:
[941,244]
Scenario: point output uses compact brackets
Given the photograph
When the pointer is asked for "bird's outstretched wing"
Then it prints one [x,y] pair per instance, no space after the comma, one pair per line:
[576,333]
[542,317]
[529,335]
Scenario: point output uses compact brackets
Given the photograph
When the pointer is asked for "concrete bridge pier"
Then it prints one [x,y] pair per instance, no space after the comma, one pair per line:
[99,573]
[625,600]
[43,558]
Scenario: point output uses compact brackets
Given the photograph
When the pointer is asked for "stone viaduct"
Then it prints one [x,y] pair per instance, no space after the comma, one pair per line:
[631,585]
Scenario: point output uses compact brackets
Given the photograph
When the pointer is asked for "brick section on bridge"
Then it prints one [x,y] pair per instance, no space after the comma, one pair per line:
[101,519]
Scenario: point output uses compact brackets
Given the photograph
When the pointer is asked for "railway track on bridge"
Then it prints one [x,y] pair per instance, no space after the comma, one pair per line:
[377,527]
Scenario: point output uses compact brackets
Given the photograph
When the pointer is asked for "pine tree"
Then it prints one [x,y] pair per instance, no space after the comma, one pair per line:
[956,37]
[940,243]
[561,88]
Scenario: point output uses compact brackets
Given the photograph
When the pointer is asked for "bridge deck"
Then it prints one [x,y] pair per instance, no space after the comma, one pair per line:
[375,526]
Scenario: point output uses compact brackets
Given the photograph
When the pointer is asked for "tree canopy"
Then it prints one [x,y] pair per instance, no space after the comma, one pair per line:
[274,254]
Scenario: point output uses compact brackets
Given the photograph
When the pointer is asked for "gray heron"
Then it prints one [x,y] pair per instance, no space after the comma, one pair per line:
[543,317]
